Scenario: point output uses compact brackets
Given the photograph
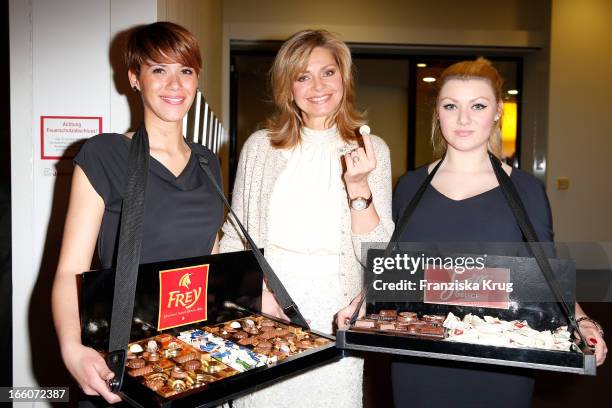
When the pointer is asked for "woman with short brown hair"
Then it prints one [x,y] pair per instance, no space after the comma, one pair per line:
[182,212]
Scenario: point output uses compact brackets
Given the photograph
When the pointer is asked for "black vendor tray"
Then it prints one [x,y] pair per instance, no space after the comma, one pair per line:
[233,292]
[549,360]
[529,285]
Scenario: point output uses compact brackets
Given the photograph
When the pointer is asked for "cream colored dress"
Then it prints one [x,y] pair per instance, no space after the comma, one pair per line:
[304,249]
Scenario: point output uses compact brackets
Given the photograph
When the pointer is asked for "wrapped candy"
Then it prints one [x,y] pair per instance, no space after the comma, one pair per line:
[493,331]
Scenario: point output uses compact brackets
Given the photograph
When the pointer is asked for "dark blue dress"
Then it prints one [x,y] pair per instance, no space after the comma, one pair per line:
[483,218]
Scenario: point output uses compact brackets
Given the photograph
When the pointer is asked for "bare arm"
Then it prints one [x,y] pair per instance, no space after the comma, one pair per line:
[368,175]
[215,249]
[83,221]
[359,164]
[374,224]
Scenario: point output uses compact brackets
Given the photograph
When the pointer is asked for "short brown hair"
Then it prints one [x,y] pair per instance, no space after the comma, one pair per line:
[291,60]
[481,68]
[162,42]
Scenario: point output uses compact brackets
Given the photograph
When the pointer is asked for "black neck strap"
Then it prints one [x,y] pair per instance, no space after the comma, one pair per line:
[533,243]
[276,287]
[402,222]
[128,254]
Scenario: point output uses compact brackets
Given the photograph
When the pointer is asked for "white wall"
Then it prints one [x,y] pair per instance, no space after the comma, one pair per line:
[59,66]
[580,139]
[476,22]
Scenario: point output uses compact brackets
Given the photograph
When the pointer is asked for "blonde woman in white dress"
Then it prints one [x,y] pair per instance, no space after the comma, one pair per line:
[310,190]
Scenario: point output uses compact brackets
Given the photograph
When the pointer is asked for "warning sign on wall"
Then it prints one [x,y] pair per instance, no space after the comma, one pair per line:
[62,136]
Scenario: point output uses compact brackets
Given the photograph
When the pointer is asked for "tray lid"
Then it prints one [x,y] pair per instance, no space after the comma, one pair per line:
[226,285]
[530,298]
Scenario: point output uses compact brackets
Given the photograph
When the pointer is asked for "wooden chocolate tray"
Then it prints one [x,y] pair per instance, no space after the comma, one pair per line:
[575,362]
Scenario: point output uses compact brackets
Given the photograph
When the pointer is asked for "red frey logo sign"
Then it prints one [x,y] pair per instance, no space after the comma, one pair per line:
[182,296]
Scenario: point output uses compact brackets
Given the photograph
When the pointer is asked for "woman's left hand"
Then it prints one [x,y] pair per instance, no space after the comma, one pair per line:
[359,163]
[270,306]
[594,339]
[344,315]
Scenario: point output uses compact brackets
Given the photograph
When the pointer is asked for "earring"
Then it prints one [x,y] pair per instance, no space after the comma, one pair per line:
[496,118]
[134,88]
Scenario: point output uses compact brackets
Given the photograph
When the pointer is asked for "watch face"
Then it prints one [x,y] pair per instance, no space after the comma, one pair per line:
[359,204]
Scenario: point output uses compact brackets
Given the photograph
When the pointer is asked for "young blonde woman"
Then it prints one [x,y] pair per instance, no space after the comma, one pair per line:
[310,190]
[464,203]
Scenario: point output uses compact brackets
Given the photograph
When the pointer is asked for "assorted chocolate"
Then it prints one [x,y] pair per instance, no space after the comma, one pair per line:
[264,341]
[171,365]
[405,323]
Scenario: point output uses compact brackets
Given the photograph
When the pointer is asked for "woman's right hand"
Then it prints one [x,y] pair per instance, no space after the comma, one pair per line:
[90,370]
[270,306]
[359,164]
[83,220]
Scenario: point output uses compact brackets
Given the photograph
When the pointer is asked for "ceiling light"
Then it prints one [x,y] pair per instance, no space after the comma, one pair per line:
[421,65]
[512,92]
[429,79]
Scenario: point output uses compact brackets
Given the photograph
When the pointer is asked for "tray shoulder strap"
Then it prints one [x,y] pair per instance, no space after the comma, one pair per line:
[128,255]
[402,222]
[400,226]
[534,245]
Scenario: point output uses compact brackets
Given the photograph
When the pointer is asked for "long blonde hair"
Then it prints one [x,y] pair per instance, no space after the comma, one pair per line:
[292,59]
[481,68]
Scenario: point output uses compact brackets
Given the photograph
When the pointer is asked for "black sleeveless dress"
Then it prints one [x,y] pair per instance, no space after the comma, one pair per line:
[484,218]
[182,214]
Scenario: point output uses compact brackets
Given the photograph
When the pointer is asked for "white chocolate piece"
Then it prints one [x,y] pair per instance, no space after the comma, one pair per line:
[364,130]
[485,329]
[491,320]
[151,346]
[235,325]
[453,322]
[136,348]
